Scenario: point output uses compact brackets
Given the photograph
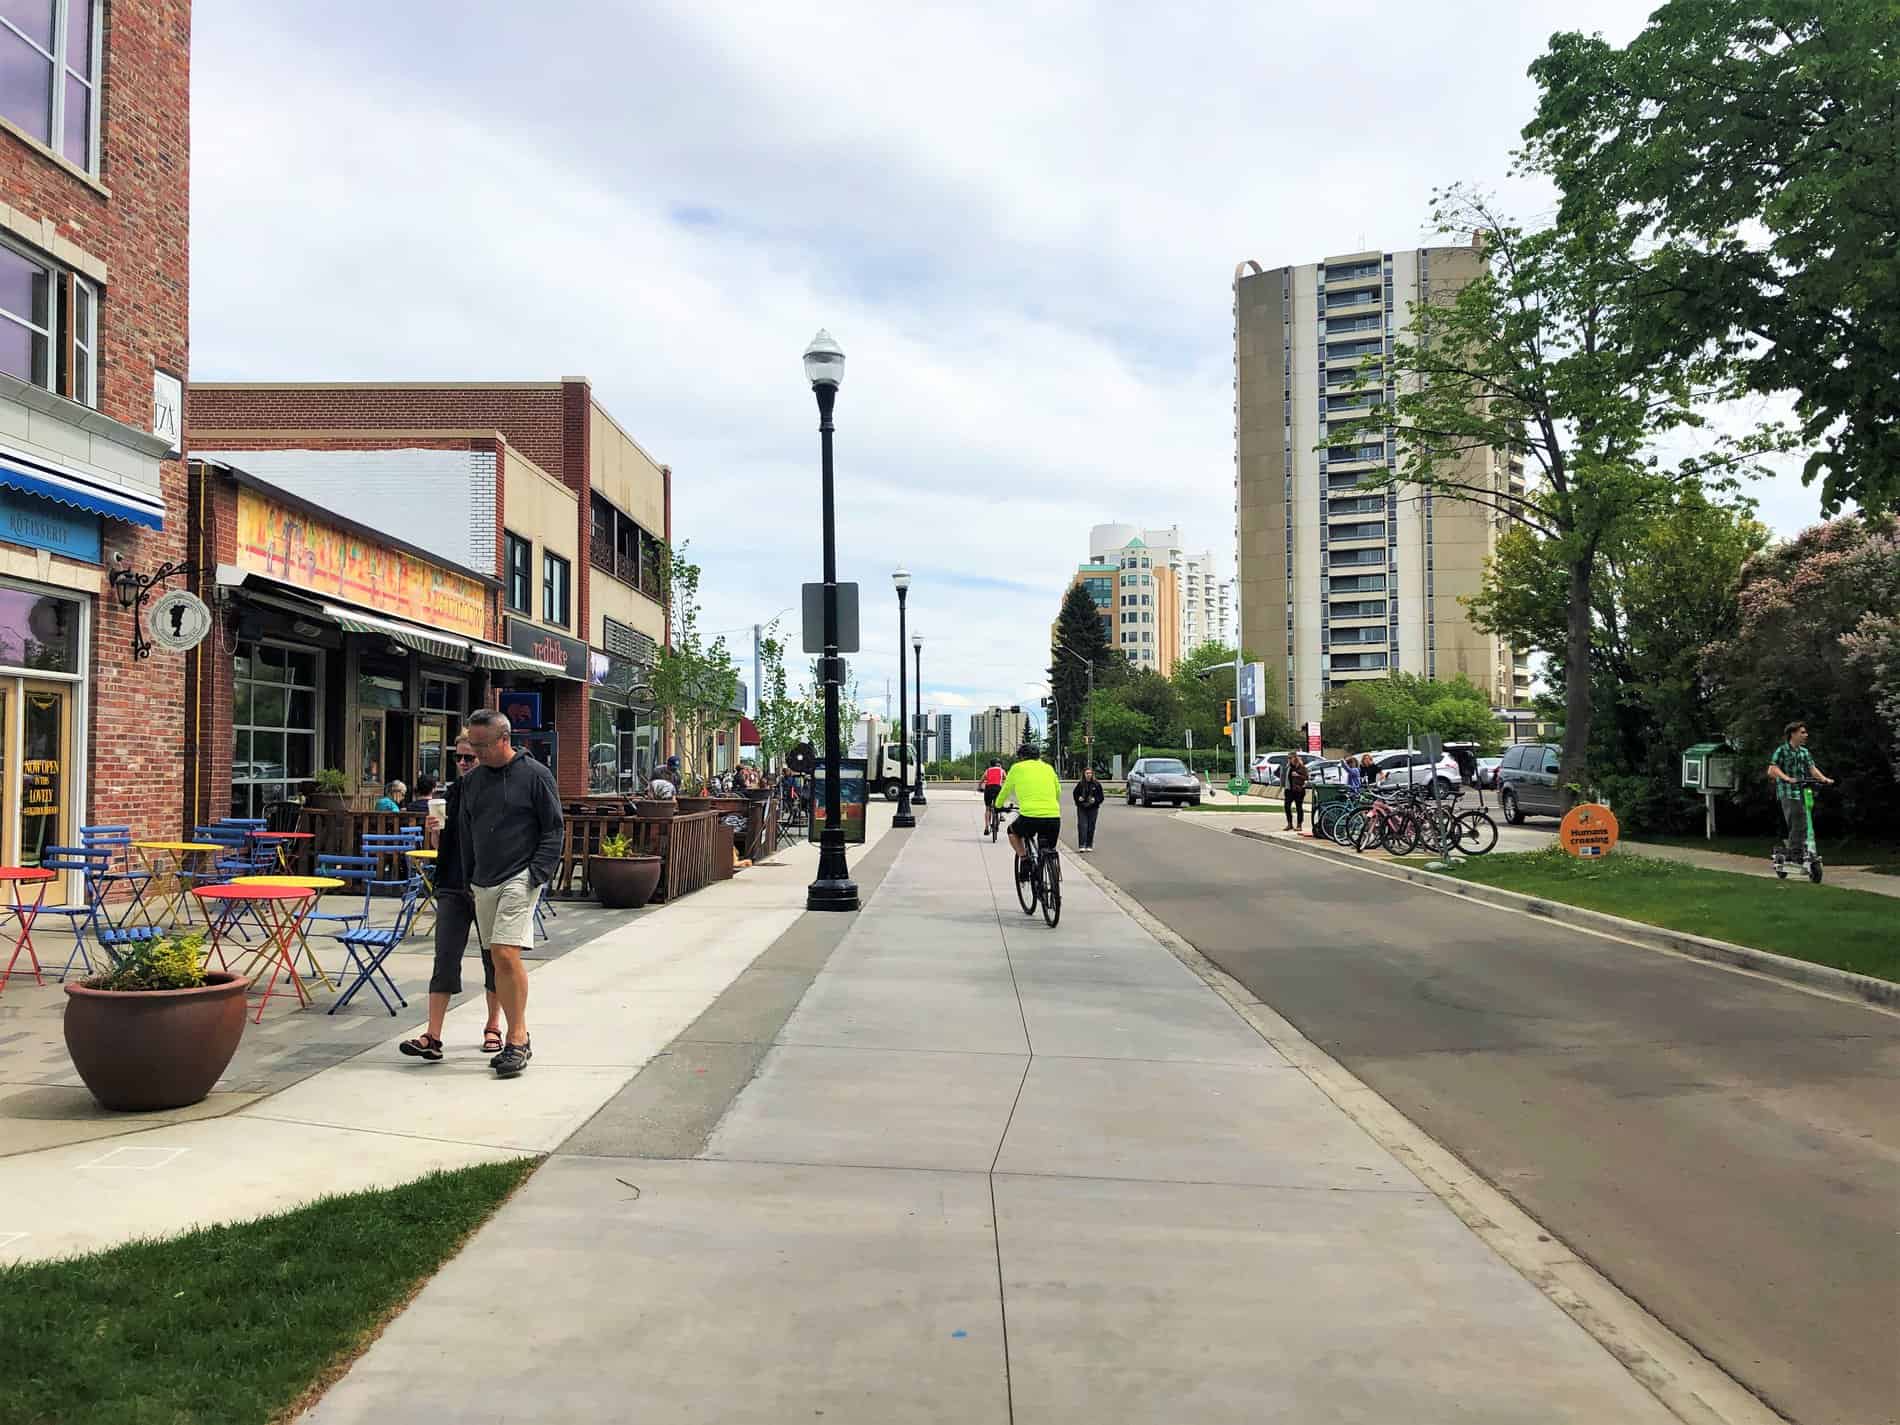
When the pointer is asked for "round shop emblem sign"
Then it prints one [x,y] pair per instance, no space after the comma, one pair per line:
[1588,831]
[178,620]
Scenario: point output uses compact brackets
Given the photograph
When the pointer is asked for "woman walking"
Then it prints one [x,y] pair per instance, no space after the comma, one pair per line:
[1293,794]
[1088,805]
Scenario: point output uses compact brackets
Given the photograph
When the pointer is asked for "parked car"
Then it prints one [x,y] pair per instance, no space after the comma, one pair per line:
[1527,781]
[1162,779]
[1397,767]
[1326,769]
[1486,777]
[1269,771]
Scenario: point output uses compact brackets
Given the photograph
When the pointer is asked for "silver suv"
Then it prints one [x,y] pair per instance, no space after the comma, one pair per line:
[1163,779]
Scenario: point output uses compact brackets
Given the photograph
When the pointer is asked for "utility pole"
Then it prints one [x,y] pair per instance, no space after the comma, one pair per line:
[758,673]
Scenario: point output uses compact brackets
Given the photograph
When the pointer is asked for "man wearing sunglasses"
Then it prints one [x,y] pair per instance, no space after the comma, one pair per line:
[454,918]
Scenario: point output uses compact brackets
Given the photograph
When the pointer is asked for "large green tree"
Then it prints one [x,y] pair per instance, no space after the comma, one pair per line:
[1387,712]
[1079,628]
[1758,141]
[1549,355]
[695,682]
[1665,590]
[1203,681]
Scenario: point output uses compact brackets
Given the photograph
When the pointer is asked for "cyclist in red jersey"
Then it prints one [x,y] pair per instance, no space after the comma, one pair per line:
[992,783]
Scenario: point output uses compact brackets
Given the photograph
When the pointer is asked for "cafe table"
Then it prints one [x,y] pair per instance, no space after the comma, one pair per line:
[176,879]
[276,907]
[24,912]
[427,858]
[320,886]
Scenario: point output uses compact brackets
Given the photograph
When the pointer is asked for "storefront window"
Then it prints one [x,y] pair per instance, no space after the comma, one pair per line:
[38,631]
[274,723]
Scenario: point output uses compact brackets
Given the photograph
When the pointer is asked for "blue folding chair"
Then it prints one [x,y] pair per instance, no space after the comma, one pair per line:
[88,914]
[369,947]
[123,871]
[356,871]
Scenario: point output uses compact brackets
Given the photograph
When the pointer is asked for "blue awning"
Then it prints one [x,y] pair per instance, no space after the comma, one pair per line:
[129,507]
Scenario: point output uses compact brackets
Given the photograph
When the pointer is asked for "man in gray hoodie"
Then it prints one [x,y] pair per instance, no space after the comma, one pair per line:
[510,816]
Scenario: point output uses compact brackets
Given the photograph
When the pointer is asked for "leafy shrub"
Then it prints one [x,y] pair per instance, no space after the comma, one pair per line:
[617,847]
[170,962]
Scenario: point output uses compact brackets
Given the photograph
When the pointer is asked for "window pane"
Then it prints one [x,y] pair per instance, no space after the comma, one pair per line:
[301,754]
[303,668]
[268,705]
[241,756]
[270,657]
[76,144]
[79,36]
[33,18]
[241,664]
[267,755]
[19,350]
[303,709]
[26,86]
[241,704]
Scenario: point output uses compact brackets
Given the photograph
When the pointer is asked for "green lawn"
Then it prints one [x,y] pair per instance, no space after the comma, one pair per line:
[230,1324]
[1881,856]
[1851,930]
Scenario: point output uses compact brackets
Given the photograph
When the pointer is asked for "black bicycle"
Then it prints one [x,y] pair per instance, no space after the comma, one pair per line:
[1039,881]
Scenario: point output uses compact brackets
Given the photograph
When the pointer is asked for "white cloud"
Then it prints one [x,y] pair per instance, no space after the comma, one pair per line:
[1020,222]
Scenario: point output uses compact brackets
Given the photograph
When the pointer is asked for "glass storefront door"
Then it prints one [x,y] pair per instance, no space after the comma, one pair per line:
[36,768]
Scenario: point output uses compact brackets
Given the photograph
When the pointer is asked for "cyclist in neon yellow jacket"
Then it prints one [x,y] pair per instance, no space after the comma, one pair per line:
[1032,782]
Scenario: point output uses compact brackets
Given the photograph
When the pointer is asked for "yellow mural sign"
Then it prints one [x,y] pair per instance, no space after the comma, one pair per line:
[300,549]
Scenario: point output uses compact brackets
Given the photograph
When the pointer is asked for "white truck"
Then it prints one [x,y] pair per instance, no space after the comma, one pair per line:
[886,763]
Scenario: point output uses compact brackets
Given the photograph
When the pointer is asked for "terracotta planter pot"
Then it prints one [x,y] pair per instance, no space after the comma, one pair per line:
[653,809]
[139,1050]
[623,882]
[695,804]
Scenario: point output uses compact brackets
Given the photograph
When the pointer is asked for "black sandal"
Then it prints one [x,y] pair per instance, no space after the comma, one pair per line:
[423,1046]
[492,1042]
[512,1060]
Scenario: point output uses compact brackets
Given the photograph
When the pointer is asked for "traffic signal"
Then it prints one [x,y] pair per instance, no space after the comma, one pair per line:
[1227,729]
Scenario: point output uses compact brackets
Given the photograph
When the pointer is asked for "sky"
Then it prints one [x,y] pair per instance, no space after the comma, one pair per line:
[1020,221]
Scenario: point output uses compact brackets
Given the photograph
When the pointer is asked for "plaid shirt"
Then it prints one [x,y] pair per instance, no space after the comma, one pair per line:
[1796,762]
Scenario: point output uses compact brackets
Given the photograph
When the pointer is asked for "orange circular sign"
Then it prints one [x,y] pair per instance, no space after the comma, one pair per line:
[1588,830]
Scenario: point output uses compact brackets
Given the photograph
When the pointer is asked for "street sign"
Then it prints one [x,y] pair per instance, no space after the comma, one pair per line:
[1432,746]
[1312,737]
[1190,739]
[813,624]
[1237,785]
[1588,831]
[1253,677]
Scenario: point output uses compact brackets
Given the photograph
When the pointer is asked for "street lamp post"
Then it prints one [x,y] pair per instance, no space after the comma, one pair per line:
[834,888]
[917,647]
[900,581]
[1088,735]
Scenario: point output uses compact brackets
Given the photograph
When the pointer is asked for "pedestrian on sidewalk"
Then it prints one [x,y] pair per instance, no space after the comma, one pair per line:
[510,830]
[454,918]
[1293,794]
[1088,805]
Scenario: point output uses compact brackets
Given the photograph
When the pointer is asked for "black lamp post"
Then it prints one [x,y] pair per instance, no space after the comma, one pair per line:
[834,889]
[917,646]
[900,580]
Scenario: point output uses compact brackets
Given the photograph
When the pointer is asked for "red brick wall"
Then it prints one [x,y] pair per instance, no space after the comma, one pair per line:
[529,416]
[136,744]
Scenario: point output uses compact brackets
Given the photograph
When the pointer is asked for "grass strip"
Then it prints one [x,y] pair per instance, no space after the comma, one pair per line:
[1840,851]
[1824,925]
[234,1323]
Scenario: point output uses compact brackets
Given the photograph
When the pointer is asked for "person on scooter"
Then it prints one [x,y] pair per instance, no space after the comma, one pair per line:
[1791,765]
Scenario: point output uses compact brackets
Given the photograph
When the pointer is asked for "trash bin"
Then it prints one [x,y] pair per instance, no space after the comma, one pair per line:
[1324,792]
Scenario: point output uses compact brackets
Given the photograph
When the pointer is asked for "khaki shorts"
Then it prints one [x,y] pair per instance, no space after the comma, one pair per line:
[504,914]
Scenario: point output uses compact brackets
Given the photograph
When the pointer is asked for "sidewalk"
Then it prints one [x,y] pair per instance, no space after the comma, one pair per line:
[984,1171]
[376,1119]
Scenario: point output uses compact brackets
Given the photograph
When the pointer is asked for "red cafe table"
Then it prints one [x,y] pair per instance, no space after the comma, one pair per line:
[277,910]
[24,913]
[284,842]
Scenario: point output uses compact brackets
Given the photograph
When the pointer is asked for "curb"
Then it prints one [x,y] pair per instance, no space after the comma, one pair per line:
[1885,993]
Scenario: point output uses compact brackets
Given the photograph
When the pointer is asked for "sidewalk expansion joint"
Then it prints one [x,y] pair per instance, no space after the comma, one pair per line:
[391,1133]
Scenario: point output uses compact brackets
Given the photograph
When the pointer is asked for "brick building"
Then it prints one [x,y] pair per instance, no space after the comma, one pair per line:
[94,205]
[549,504]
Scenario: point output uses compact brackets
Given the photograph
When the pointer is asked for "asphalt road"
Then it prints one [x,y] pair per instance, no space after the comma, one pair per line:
[1723,1148]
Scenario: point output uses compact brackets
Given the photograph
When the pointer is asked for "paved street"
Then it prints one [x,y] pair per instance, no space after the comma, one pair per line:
[1725,1148]
[936,1162]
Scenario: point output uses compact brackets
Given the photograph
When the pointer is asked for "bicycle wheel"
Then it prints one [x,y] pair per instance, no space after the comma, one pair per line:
[1363,830]
[1051,888]
[1477,833]
[1398,835]
[1437,833]
[1026,889]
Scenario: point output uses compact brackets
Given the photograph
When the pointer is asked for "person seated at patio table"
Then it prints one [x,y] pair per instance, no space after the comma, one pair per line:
[393,793]
[425,788]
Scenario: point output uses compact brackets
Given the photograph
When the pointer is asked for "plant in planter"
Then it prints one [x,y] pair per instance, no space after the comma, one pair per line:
[155,1031]
[622,879]
[332,788]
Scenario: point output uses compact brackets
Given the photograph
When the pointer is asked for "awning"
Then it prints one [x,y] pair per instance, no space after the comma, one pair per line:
[131,505]
[506,660]
[409,635]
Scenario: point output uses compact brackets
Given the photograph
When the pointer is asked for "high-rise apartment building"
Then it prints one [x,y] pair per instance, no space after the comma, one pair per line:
[932,732]
[1337,583]
[997,732]
[1135,579]
[941,747]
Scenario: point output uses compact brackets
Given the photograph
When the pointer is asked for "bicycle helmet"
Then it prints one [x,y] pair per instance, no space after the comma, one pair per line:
[1027,752]
[996,761]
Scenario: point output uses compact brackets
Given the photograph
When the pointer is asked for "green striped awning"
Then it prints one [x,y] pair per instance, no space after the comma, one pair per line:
[409,635]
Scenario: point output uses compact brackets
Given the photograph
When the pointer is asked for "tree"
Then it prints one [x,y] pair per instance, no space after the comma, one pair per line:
[1665,590]
[1549,354]
[1079,628]
[1204,685]
[695,683]
[780,717]
[1722,118]
[1811,643]
[1390,711]
[1118,727]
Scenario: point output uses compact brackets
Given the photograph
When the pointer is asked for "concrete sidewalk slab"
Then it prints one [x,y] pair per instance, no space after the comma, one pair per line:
[750,1294]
